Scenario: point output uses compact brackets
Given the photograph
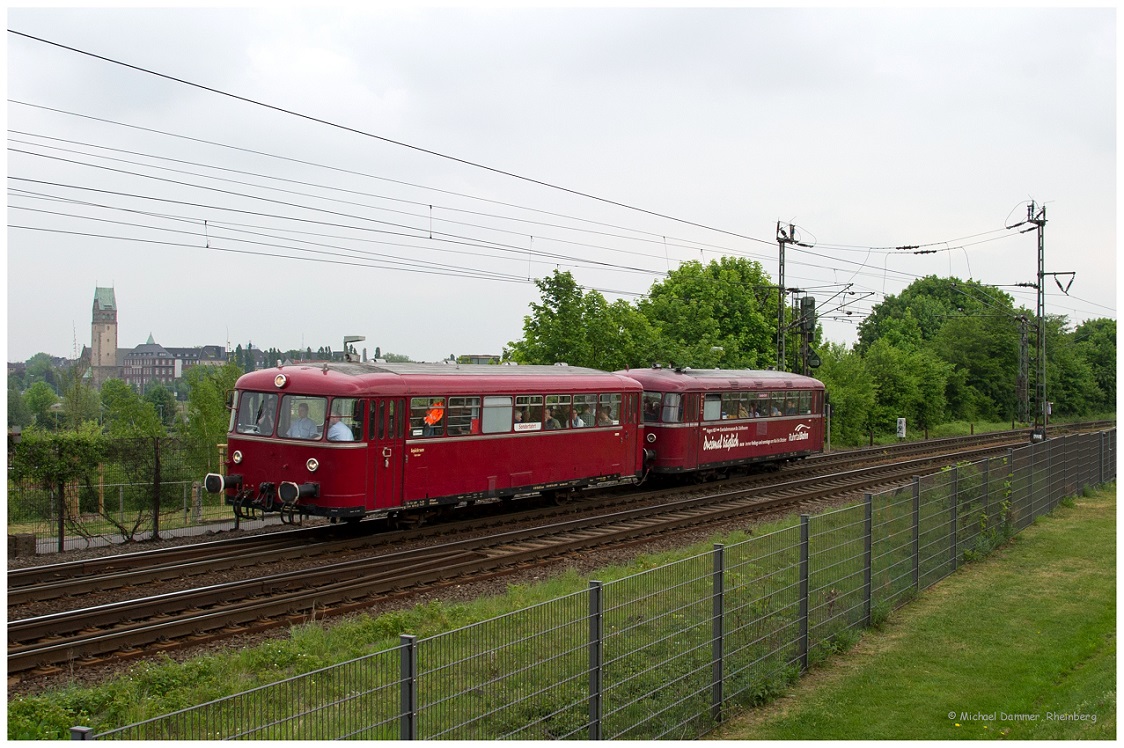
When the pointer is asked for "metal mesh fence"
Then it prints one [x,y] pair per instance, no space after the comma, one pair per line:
[667,652]
[355,699]
[114,501]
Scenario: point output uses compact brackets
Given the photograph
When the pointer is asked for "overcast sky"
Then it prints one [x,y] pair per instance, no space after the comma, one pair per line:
[618,144]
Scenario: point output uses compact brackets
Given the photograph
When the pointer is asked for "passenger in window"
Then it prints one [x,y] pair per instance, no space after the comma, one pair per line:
[518,416]
[586,416]
[339,431]
[603,418]
[433,417]
[304,427]
[576,422]
[550,421]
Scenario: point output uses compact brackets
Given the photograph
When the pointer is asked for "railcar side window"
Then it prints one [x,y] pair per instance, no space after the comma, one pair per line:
[427,416]
[233,410]
[557,414]
[652,401]
[302,417]
[346,420]
[257,412]
[464,416]
[805,405]
[609,412]
[584,405]
[712,407]
[776,404]
[497,415]
[672,407]
[528,412]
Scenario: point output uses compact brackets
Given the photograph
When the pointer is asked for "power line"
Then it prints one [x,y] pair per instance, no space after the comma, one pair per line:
[384,139]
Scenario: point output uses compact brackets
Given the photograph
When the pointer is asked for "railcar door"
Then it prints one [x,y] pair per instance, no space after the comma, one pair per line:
[388,449]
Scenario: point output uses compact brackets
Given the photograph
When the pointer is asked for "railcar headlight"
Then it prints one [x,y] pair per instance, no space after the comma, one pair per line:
[236,458]
[312,464]
[651,437]
[280,381]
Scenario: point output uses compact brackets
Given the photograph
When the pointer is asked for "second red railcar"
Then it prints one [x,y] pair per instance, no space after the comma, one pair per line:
[710,420]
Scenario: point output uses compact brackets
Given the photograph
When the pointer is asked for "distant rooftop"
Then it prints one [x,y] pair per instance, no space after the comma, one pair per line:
[105,298]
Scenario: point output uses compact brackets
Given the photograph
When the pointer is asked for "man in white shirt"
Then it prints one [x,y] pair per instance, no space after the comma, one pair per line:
[339,431]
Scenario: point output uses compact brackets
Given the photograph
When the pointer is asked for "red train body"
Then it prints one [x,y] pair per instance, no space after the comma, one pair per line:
[349,440]
[708,421]
[422,435]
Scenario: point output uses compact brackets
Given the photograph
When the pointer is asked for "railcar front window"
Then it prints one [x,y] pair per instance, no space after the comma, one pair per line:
[302,417]
[257,413]
[652,402]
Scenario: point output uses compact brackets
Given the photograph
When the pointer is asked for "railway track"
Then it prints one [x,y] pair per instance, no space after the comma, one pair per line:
[73,580]
[184,618]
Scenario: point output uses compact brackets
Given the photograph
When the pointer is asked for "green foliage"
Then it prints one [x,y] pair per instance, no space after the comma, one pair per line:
[207,419]
[729,304]
[126,414]
[49,459]
[851,390]
[19,414]
[39,398]
[1095,341]
[581,329]
[911,385]
[163,402]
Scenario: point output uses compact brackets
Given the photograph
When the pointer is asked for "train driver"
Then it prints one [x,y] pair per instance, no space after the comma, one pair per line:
[303,427]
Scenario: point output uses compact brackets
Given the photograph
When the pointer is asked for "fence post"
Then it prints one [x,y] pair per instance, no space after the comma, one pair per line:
[916,532]
[987,492]
[1100,459]
[596,659]
[155,488]
[954,501]
[802,647]
[408,693]
[717,625]
[81,733]
[1009,496]
[868,555]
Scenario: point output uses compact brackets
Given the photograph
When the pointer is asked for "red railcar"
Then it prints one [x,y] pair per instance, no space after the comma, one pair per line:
[348,440]
[711,420]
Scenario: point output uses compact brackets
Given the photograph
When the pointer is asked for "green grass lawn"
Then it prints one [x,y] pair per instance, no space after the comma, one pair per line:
[1021,646]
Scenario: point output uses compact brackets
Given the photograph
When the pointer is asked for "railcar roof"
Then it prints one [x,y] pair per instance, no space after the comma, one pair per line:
[357,378]
[678,380]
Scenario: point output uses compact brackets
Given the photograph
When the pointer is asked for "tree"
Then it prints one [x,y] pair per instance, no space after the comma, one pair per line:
[19,414]
[984,353]
[1070,381]
[554,331]
[911,385]
[721,314]
[40,397]
[126,414]
[1095,341]
[163,401]
[79,400]
[207,418]
[851,390]
[931,301]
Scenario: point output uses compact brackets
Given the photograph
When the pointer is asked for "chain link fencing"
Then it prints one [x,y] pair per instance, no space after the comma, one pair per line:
[670,652]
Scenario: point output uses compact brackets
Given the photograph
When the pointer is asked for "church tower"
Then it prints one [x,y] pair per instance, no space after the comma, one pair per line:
[103,334]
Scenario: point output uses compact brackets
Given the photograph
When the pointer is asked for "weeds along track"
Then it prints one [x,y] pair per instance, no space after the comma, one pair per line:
[276,594]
